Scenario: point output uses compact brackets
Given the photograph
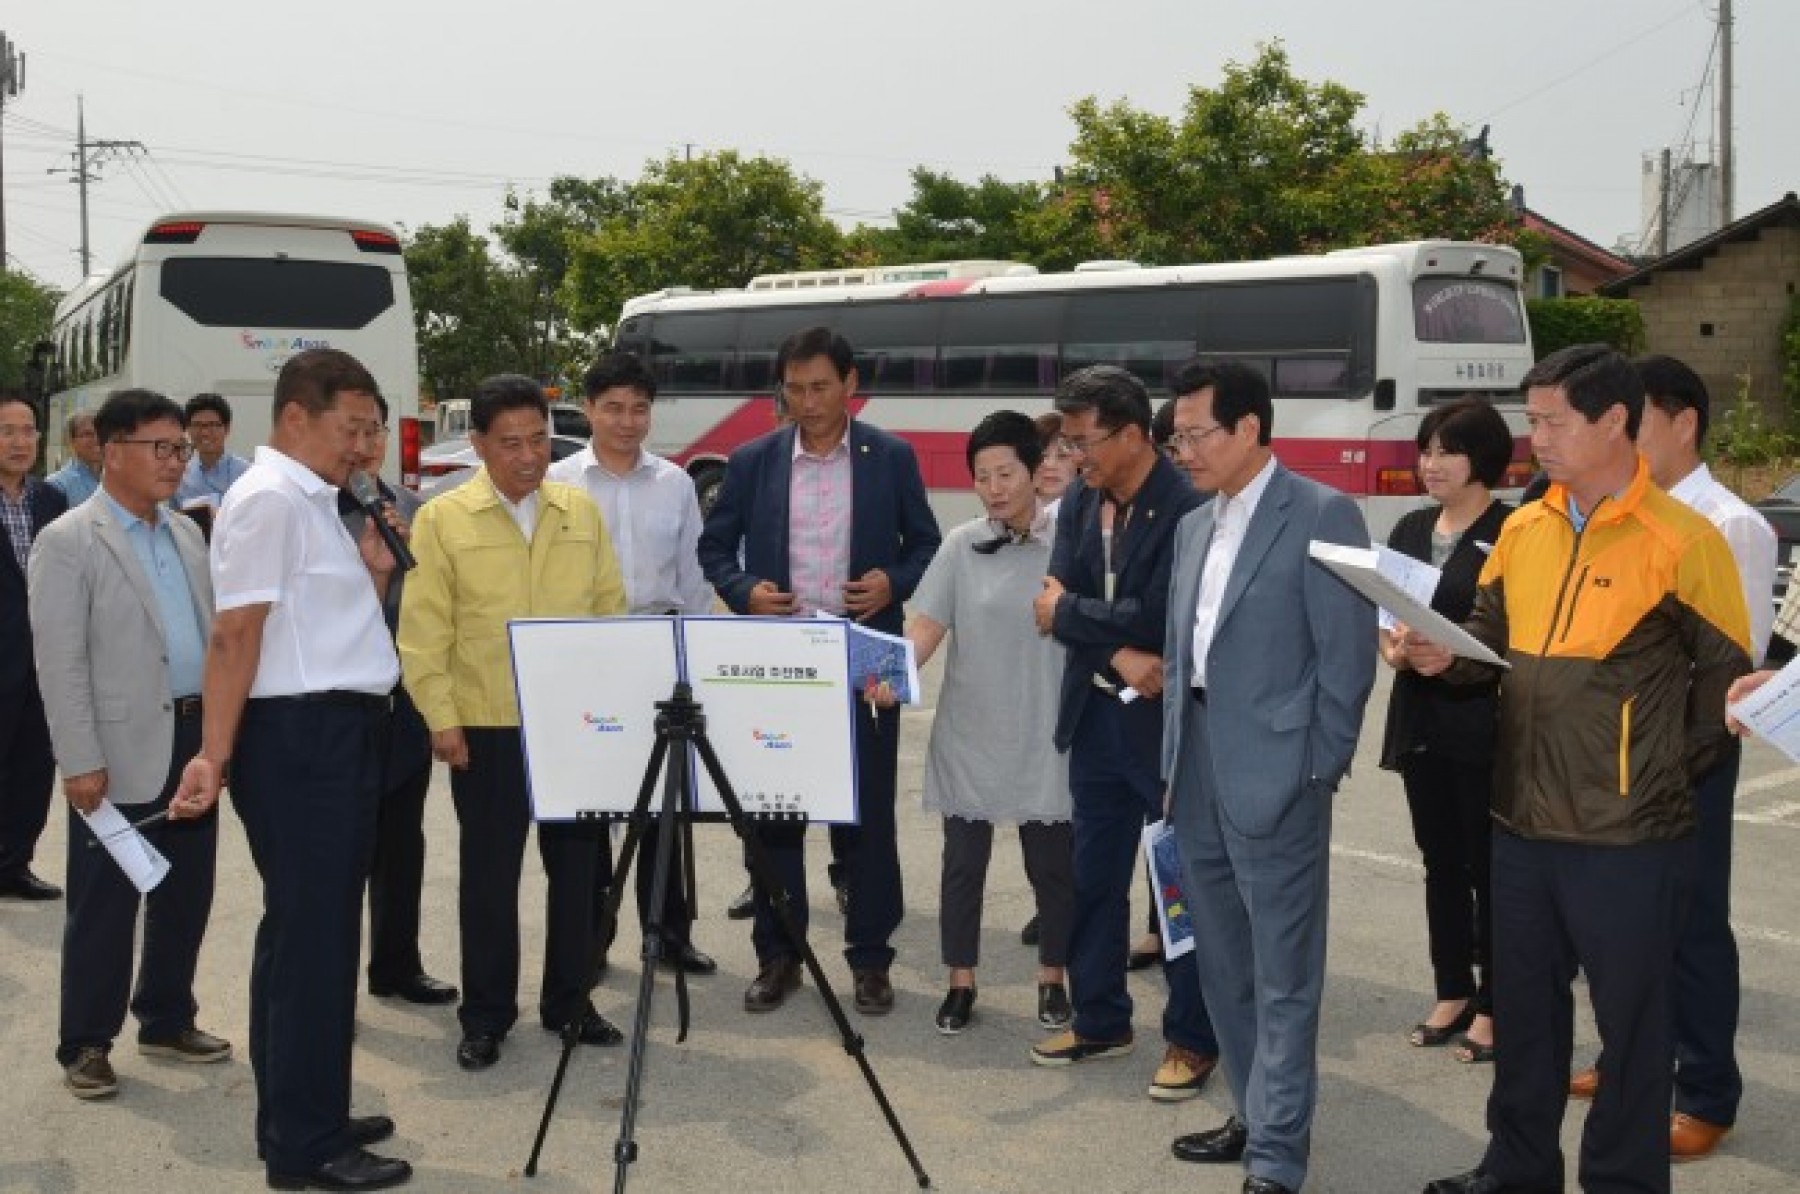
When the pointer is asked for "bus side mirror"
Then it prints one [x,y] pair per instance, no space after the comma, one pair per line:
[1384,394]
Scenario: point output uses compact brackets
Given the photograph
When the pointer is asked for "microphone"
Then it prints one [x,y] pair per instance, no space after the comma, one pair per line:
[369,497]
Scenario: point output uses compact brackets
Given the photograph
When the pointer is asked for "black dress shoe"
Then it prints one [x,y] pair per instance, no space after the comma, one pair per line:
[1473,1182]
[874,993]
[353,1169]
[370,1129]
[593,1029]
[1221,1146]
[420,988]
[958,1008]
[681,955]
[26,886]
[744,907]
[777,979]
[478,1050]
[1264,1185]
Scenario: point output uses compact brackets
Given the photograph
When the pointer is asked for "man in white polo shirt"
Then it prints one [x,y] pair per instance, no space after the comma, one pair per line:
[299,672]
[653,516]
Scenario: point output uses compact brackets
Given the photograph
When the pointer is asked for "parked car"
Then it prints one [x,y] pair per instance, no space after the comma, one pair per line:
[447,465]
[1782,509]
[568,419]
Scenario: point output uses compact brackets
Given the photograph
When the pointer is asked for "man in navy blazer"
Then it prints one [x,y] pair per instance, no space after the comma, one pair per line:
[1104,600]
[827,513]
[27,765]
[1269,660]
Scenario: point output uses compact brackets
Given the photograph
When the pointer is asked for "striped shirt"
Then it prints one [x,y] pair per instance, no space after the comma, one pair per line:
[819,519]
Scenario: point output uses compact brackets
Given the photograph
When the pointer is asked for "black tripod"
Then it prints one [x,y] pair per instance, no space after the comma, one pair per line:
[679,724]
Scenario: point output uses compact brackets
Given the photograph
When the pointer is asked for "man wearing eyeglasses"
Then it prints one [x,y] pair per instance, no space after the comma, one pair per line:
[27,768]
[120,607]
[1104,600]
[212,471]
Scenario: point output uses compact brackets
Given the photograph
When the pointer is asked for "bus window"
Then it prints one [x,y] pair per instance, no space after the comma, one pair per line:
[895,343]
[277,293]
[1148,332]
[1467,311]
[1312,376]
[1280,316]
[690,351]
[760,335]
[1001,343]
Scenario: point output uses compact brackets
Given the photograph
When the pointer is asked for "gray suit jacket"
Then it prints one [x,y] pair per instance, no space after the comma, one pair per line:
[101,647]
[1291,662]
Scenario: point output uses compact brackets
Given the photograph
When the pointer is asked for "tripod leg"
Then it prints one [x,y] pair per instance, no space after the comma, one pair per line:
[570,1038]
[780,901]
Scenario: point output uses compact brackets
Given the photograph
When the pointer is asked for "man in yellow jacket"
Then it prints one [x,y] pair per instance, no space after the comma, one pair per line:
[506,545]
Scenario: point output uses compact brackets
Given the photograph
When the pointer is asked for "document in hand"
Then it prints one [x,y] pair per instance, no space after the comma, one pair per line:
[1360,568]
[1173,916]
[142,863]
[878,659]
[1773,711]
[1417,578]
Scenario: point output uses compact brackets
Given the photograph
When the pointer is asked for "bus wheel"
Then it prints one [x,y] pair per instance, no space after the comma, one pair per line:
[709,480]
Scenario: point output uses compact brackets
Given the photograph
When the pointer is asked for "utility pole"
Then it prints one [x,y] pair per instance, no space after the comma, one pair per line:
[88,157]
[1662,205]
[1727,185]
[12,81]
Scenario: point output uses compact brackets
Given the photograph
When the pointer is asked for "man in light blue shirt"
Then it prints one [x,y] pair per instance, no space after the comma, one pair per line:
[120,606]
[213,470]
[81,476]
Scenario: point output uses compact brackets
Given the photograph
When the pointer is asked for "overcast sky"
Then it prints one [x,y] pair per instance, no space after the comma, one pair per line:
[407,112]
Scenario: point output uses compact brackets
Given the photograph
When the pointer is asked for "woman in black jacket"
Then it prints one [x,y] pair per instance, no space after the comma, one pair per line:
[1440,737]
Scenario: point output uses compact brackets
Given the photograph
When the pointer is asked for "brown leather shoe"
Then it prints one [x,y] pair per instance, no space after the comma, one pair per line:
[874,993]
[1584,1084]
[1690,1138]
[778,978]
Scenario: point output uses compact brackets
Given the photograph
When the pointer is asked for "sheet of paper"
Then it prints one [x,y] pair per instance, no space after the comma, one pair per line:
[1358,567]
[1167,878]
[1416,578]
[142,863]
[1773,711]
[877,658]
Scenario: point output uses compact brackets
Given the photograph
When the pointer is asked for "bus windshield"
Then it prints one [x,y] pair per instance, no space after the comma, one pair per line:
[1467,311]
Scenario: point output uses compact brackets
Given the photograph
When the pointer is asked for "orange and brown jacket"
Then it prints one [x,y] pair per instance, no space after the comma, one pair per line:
[1623,638]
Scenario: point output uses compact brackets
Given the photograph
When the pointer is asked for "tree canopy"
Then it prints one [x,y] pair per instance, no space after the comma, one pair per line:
[26,309]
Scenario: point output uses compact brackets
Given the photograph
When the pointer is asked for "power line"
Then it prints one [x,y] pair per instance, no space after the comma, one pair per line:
[1575,72]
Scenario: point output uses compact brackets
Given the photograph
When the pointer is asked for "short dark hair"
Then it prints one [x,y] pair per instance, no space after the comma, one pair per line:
[1594,378]
[811,343]
[1115,395]
[1674,387]
[210,402]
[382,406]
[9,396]
[619,369]
[314,378]
[1470,426]
[1007,429]
[1238,390]
[1162,427]
[124,411]
[503,392]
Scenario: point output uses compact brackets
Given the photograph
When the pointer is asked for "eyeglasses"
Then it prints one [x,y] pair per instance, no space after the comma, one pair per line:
[165,448]
[205,425]
[1192,437]
[1081,447]
[18,432]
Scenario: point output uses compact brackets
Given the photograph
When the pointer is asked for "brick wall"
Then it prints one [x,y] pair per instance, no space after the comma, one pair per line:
[1724,319]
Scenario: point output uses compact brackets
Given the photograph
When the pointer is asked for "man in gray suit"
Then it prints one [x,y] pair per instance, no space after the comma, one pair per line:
[120,606]
[1268,661]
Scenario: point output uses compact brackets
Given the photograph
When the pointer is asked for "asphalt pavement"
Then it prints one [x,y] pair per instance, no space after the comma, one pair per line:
[774,1103]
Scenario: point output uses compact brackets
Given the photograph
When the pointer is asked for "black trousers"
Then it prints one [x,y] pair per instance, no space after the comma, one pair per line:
[99,934]
[1615,912]
[494,812]
[396,876]
[1708,1083]
[1452,826]
[27,775]
[1049,852]
[677,920]
[306,780]
[868,851]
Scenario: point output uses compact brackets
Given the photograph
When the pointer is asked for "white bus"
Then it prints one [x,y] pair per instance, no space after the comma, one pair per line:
[216,302]
[1357,344]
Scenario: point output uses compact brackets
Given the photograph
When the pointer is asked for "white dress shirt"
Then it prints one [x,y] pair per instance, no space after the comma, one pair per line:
[1231,518]
[523,512]
[653,516]
[1753,545]
[279,541]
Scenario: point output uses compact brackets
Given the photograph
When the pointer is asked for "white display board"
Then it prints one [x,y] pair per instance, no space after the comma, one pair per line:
[775,693]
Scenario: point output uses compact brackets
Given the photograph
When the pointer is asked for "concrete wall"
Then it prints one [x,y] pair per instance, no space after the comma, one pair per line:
[1725,318]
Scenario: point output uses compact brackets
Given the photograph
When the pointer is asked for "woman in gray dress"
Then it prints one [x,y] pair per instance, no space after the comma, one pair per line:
[991,761]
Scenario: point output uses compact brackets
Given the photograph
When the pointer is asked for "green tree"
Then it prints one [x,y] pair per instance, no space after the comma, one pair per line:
[26,308]
[713,221]
[538,235]
[950,220]
[473,313]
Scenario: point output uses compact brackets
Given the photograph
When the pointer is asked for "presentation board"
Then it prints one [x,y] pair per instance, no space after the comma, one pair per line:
[775,692]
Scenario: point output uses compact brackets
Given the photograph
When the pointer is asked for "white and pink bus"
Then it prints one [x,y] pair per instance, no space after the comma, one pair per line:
[1357,344]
